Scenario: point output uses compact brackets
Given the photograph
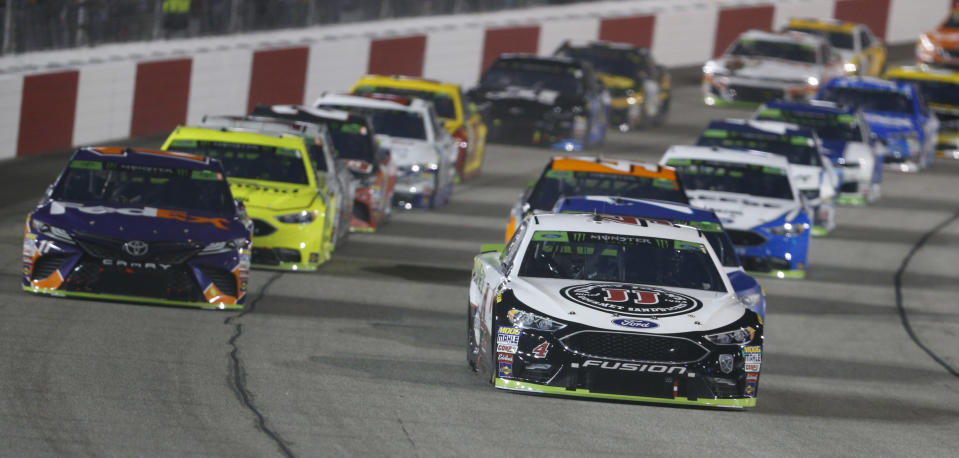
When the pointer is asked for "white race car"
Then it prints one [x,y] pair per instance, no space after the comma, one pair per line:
[754,196]
[763,66]
[612,307]
[424,152]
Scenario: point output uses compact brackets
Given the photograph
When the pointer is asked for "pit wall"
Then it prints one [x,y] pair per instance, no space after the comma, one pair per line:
[59,99]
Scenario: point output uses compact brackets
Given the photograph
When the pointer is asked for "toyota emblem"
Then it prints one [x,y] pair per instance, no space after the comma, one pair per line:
[135,248]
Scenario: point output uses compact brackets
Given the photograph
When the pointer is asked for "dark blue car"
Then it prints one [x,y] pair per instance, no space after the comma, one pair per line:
[747,288]
[896,112]
[138,225]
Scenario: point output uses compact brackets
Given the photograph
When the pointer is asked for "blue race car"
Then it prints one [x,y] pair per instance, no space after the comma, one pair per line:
[896,112]
[138,225]
[754,196]
[810,170]
[846,140]
[747,288]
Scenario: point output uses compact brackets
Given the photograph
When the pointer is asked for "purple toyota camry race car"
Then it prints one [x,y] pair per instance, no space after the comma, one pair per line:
[137,225]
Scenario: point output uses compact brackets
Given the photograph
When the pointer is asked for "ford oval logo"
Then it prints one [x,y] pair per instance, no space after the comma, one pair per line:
[634,323]
[135,248]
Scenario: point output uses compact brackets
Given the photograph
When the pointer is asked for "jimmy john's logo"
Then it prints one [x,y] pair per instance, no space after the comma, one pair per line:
[631,300]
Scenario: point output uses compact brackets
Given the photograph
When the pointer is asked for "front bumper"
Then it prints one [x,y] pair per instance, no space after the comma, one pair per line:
[526,387]
[771,255]
[745,92]
[540,127]
[288,246]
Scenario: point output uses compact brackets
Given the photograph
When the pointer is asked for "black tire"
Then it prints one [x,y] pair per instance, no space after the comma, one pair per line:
[470,340]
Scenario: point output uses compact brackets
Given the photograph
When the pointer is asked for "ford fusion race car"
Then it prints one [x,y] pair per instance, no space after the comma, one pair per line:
[578,176]
[846,141]
[747,288]
[941,46]
[896,112]
[138,225]
[759,205]
[640,90]
[299,203]
[862,52]
[762,66]
[551,101]
[940,89]
[424,152]
[813,174]
[614,308]
[374,173]
[460,118]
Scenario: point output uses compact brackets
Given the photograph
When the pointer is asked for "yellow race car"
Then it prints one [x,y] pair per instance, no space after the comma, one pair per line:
[285,183]
[862,52]
[940,88]
[459,117]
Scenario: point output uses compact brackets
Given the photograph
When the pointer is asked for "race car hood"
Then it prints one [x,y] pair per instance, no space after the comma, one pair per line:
[885,124]
[768,69]
[834,149]
[567,299]
[946,38]
[406,152]
[741,211]
[139,223]
[805,176]
[271,195]
[615,81]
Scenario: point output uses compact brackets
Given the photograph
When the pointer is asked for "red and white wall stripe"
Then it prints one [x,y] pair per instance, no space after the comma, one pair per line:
[56,100]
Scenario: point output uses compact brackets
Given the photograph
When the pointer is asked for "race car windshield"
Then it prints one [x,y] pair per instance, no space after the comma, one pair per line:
[393,123]
[939,92]
[776,50]
[255,162]
[798,149]
[559,183]
[352,140]
[841,40]
[828,126]
[869,99]
[953,21]
[122,184]
[620,258]
[554,76]
[619,64]
[441,100]
[756,180]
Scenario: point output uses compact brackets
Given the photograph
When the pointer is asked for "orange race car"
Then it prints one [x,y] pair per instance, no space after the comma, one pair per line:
[594,176]
[941,46]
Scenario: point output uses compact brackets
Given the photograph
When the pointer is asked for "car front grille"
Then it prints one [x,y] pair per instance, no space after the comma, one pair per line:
[47,264]
[761,264]
[634,347]
[742,93]
[102,247]
[274,256]
[745,238]
[176,282]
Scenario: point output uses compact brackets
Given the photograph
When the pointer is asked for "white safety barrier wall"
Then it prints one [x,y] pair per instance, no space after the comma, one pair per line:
[58,99]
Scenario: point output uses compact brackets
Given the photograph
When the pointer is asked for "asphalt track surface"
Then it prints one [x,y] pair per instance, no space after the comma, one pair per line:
[366,357]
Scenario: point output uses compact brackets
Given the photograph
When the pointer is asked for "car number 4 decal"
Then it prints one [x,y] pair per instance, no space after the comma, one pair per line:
[541,350]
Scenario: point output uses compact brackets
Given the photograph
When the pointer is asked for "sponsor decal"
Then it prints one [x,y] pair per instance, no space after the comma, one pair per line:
[29,249]
[634,323]
[750,390]
[508,335]
[140,265]
[635,367]
[504,358]
[506,348]
[754,358]
[726,363]
[752,376]
[58,208]
[540,350]
[631,300]
[505,369]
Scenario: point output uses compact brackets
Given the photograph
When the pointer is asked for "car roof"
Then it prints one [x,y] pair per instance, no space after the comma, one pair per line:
[602,45]
[643,227]
[815,106]
[769,127]
[647,208]
[830,25]
[869,82]
[408,82]
[923,72]
[227,135]
[710,153]
[782,37]
[143,156]
[416,105]
[612,166]
[536,58]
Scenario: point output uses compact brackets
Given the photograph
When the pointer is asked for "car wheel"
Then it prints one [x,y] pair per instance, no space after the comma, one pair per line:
[471,344]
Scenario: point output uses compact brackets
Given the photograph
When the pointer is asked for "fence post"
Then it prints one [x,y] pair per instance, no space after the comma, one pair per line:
[235,6]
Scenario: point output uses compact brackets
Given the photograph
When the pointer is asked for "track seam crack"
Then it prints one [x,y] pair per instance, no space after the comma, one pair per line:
[903,316]
[236,379]
[407,433]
